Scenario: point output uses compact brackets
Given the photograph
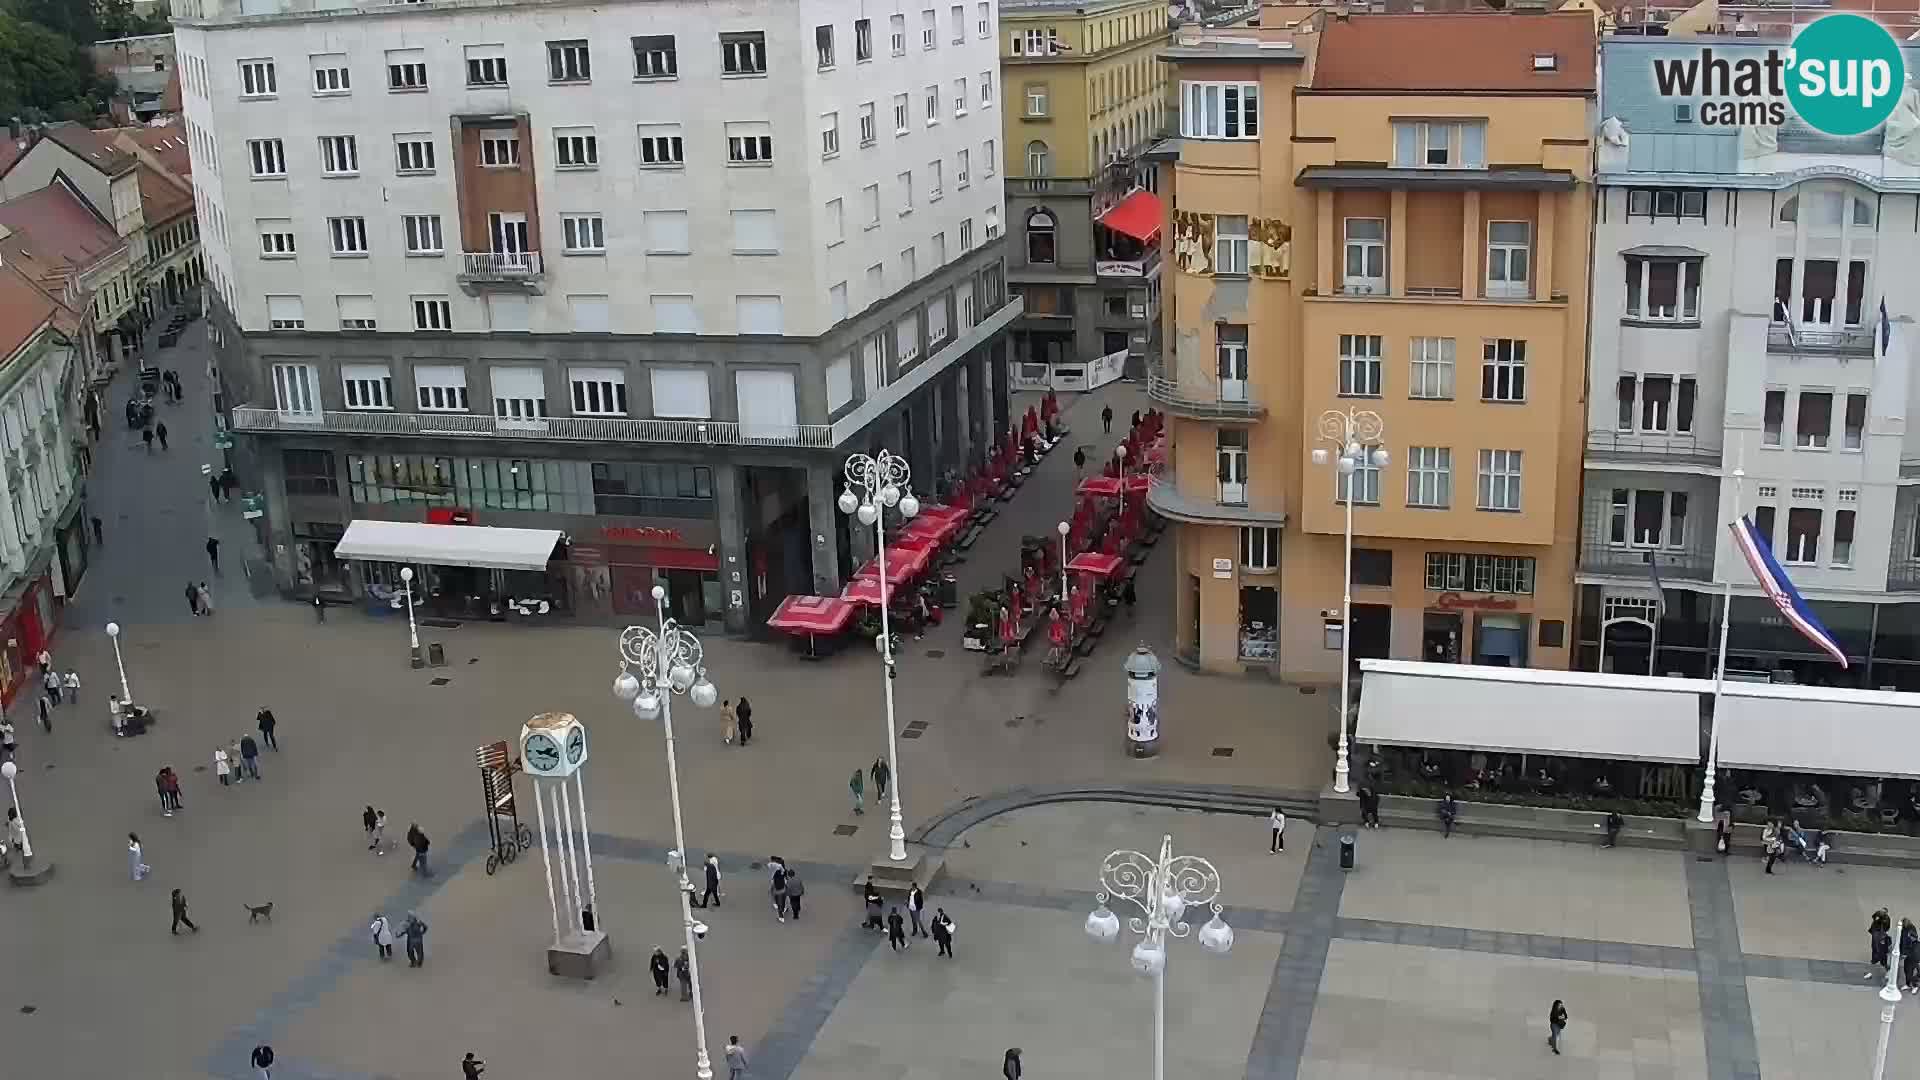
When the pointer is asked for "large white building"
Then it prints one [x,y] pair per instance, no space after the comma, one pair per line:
[1738,280]
[585,225]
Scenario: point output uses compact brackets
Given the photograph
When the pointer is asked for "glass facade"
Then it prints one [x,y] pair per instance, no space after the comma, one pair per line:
[562,487]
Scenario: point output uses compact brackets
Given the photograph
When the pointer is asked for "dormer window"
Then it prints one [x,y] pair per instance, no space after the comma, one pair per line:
[1440,144]
[1546,62]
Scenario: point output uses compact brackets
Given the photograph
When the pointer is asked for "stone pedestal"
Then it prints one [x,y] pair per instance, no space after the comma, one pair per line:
[37,871]
[922,867]
[1339,809]
[415,658]
[580,956]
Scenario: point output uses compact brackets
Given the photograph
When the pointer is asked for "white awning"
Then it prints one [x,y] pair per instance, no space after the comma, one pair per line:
[478,546]
[1530,711]
[1817,729]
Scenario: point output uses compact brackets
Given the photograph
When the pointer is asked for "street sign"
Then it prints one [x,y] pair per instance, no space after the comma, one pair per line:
[222,440]
[253,506]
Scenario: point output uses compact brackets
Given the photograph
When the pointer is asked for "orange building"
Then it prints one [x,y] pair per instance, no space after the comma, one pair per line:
[1379,238]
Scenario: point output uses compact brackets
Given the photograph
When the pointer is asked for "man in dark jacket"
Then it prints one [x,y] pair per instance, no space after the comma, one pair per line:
[896,931]
[659,965]
[267,723]
[262,1059]
[250,755]
[179,901]
[683,971]
[415,931]
[711,895]
[745,715]
[417,840]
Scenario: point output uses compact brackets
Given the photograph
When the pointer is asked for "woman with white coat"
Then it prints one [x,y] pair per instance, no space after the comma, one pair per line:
[382,936]
[222,766]
[135,866]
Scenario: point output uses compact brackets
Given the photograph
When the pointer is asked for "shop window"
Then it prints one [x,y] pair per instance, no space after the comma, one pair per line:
[1455,572]
[309,472]
[1373,566]
[640,489]
[1259,623]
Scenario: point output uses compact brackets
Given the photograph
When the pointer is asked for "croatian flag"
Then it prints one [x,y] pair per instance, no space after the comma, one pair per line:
[1773,581]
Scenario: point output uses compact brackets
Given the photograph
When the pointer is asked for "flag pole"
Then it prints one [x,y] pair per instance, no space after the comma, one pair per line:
[1720,668]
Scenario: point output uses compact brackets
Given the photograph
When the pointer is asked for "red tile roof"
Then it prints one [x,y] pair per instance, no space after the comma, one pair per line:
[24,309]
[162,198]
[167,143]
[54,229]
[1458,53]
[95,146]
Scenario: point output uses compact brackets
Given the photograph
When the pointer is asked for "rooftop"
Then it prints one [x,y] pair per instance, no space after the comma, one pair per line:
[162,198]
[167,143]
[94,147]
[54,229]
[1459,53]
[25,309]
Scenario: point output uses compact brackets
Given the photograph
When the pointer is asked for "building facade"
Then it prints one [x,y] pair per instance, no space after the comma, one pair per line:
[644,273]
[1086,96]
[1738,284]
[1401,255]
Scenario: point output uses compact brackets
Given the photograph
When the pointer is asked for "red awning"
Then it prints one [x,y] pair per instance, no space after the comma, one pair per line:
[812,615]
[1138,216]
[867,590]
[1093,562]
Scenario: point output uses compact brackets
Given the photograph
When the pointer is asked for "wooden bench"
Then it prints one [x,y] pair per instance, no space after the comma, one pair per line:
[1533,822]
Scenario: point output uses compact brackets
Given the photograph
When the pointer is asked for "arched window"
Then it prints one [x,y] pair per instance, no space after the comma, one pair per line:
[1790,210]
[1040,237]
[1038,160]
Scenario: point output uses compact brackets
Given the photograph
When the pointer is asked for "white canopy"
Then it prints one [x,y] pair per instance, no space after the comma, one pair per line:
[478,546]
[1819,729]
[1530,711]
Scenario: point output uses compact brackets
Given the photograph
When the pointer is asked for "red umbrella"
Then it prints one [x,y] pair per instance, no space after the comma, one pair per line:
[866,590]
[1093,562]
[812,615]
[1102,486]
[903,564]
[1137,483]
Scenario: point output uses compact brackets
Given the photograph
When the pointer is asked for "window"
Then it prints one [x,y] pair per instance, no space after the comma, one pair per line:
[1763,522]
[1363,482]
[413,154]
[989,158]
[1230,361]
[309,472]
[576,148]
[904,183]
[432,313]
[357,313]
[1503,370]
[876,282]
[1647,518]
[442,387]
[867,128]
[1430,477]
[1366,256]
[339,155]
[1040,237]
[276,238]
[897,28]
[269,158]
[599,391]
[1663,289]
[1853,432]
[672,314]
[1509,246]
[958,16]
[963,294]
[1437,144]
[1259,549]
[936,320]
[823,46]
[330,75]
[1803,535]
[906,340]
[1842,538]
[909,264]
[1230,461]
[660,146]
[1499,480]
[837,303]
[1359,365]
[406,70]
[960,175]
[1432,375]
[1220,110]
[1453,572]
[654,57]
[1675,203]
[966,234]
[589,312]
[755,232]
[423,234]
[830,135]
[500,150]
[1815,420]
[257,79]
[349,235]
[836,221]
[935,180]
[960,96]
[286,313]
[519,393]
[749,143]
[367,386]
[1037,158]
[986,89]
[871,193]
[991,220]
[295,389]
[486,65]
[929,31]
[668,232]
[1036,99]
[1229,244]
[569,62]
[901,115]
[863,39]
[584,234]
[983,19]
[743,54]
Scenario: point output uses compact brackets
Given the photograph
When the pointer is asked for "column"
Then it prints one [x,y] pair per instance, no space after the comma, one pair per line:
[953,436]
[919,448]
[823,521]
[732,526]
[1397,242]
[1002,392]
[1543,255]
[964,434]
[1472,280]
[979,406]
[1329,241]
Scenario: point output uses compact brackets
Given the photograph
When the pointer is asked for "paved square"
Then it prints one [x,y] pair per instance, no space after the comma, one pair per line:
[1814,1031]
[1818,912]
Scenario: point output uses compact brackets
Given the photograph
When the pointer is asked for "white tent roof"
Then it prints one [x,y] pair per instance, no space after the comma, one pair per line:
[478,546]
[1818,729]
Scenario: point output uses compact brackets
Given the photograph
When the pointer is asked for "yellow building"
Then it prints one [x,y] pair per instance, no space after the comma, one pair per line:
[1085,94]
[1379,240]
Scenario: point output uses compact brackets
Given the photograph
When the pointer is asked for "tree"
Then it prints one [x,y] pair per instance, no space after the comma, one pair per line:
[45,76]
[72,19]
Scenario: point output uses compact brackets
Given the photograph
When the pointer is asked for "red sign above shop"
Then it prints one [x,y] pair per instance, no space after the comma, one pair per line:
[1453,601]
[640,534]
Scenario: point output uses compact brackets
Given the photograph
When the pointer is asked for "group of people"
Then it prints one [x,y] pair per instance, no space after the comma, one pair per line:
[199,598]
[1880,945]
[1779,837]
[414,930]
[736,720]
[882,776]
[56,689]
[894,925]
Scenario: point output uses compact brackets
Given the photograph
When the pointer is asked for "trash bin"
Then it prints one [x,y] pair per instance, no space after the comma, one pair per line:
[947,591]
[1346,851]
[436,655]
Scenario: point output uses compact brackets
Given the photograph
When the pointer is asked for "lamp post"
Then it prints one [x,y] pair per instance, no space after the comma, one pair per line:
[1162,889]
[670,662]
[113,631]
[1355,435]
[413,632]
[1889,997]
[882,481]
[1063,560]
[1120,455]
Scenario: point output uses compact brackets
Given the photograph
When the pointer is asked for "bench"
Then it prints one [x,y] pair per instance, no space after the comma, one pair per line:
[1849,848]
[1533,822]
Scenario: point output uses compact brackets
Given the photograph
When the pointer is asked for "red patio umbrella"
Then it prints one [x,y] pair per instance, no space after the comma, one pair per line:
[1094,562]
[1101,486]
[903,564]
[812,615]
[868,591]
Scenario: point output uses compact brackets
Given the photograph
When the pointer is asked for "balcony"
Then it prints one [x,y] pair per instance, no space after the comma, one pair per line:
[1614,448]
[482,270]
[1165,499]
[1687,564]
[1205,400]
[554,429]
[1847,341]
[1904,576]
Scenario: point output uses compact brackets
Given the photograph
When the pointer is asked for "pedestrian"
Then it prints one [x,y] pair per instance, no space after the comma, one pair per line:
[171,782]
[1909,955]
[379,832]
[213,553]
[319,608]
[882,776]
[206,599]
[223,766]
[1106,419]
[1614,824]
[9,742]
[179,902]
[160,430]
[72,685]
[382,931]
[471,1067]
[745,712]
[1128,595]
[1010,1069]
[116,715]
[136,864]
[250,755]
[193,598]
[1277,824]
[262,1056]
[943,935]
[16,831]
[658,964]
[729,723]
[213,488]
[857,785]
[896,930]
[1556,1023]
[44,660]
[1723,829]
[795,890]
[228,481]
[415,931]
[779,889]
[160,789]
[46,715]
[1369,808]
[417,840]
[98,539]
[146,436]
[51,680]
[736,1058]
[265,721]
[1079,460]
[916,904]
[1448,810]
[367,819]
[683,973]
[712,893]
[873,907]
[1771,844]
[1879,942]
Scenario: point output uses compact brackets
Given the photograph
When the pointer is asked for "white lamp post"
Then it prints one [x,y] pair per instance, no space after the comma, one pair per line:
[670,662]
[1162,889]
[1063,560]
[126,695]
[883,484]
[1889,996]
[413,632]
[8,771]
[1355,434]
[1120,455]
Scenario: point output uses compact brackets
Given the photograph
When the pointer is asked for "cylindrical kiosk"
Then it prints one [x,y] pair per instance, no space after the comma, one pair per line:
[1143,701]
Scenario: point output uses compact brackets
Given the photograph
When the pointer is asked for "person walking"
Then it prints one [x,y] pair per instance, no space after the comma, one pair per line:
[1614,823]
[745,712]
[857,786]
[9,741]
[943,935]
[683,974]
[170,783]
[51,680]
[1277,824]
[779,889]
[882,776]
[1556,1023]
[160,431]
[1909,955]
[262,1061]
[222,766]
[213,487]
[896,931]
[367,819]
[417,840]
[72,685]
[382,932]
[729,723]
[1106,420]
[1079,460]
[1723,829]
[736,1058]
[1369,808]
[872,898]
[1448,810]
[250,754]
[193,598]
[46,714]
[146,436]
[16,831]
[206,599]
[179,902]
[711,895]
[916,904]
[1879,943]
[266,722]
[319,608]
[1011,1069]
[379,832]
[795,890]
[213,553]
[1771,844]
[659,966]
[415,931]
[98,539]
[471,1067]
[136,864]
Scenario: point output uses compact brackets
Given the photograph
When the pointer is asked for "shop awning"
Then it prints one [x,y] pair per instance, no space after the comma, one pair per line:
[1138,215]
[480,546]
[1530,711]
[1817,729]
[812,615]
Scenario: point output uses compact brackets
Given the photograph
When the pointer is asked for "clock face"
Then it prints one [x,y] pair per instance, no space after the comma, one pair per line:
[543,754]
[576,745]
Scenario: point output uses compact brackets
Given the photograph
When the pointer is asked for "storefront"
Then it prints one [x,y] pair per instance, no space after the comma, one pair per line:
[71,556]
[615,569]
[27,628]
[461,571]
